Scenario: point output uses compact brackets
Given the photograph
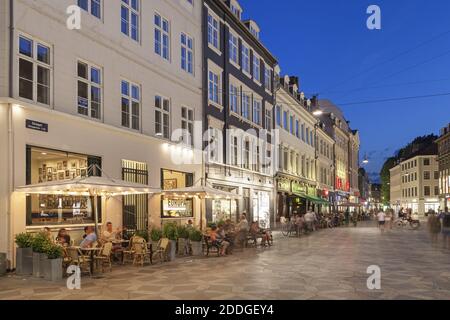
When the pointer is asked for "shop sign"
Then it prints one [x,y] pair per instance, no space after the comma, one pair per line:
[175,205]
[312,191]
[298,188]
[36,125]
[284,185]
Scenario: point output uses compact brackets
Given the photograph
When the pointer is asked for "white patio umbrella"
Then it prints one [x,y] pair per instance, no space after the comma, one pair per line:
[202,192]
[91,186]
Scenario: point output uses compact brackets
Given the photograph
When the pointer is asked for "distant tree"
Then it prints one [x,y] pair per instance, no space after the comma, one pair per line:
[385,176]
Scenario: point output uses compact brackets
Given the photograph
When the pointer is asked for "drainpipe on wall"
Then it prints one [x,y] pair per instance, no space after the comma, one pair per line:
[9,236]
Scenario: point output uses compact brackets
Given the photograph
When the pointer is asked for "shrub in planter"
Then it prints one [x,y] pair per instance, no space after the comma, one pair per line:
[183,240]
[155,236]
[53,267]
[24,254]
[170,231]
[142,234]
[195,237]
[39,244]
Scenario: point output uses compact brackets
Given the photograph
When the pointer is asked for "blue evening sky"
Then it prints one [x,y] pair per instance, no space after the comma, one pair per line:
[327,44]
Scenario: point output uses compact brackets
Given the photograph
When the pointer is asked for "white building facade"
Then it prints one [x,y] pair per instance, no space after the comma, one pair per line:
[109,94]
[296,173]
[419,184]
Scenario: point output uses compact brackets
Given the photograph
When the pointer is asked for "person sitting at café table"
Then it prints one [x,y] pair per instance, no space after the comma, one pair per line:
[85,232]
[217,237]
[63,238]
[189,224]
[108,234]
[48,233]
[256,230]
[90,239]
[242,229]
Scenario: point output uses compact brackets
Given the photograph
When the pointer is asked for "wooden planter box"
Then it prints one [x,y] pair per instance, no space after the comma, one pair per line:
[39,261]
[53,270]
[24,261]
[197,248]
[172,250]
[2,264]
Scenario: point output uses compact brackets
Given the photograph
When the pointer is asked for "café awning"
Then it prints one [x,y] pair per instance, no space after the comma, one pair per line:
[313,199]
[91,186]
[201,192]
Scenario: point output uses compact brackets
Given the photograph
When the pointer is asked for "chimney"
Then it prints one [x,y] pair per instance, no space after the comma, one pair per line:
[294,80]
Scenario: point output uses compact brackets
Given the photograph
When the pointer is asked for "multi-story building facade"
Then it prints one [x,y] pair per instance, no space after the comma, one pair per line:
[353,166]
[364,186]
[444,166]
[110,94]
[324,162]
[238,110]
[296,177]
[419,182]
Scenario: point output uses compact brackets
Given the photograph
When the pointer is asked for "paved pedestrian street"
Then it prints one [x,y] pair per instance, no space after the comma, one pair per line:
[329,264]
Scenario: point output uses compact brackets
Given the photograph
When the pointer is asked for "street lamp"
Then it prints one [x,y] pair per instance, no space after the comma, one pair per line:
[366,160]
[317,113]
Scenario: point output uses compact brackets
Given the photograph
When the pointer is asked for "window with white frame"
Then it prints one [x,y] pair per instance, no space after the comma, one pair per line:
[162,37]
[130,15]
[285,121]
[162,117]
[268,119]
[236,11]
[256,68]
[268,78]
[303,132]
[34,70]
[234,150]
[256,162]
[234,48]
[187,53]
[246,154]
[187,124]
[131,102]
[297,129]
[246,103]
[213,87]
[245,58]
[234,98]
[89,90]
[278,116]
[291,125]
[257,110]
[94,7]
[213,31]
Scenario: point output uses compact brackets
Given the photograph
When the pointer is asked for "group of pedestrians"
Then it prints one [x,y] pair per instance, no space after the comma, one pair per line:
[439,223]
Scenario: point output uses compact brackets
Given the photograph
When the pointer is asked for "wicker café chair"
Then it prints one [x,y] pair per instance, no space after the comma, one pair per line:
[78,259]
[128,253]
[140,251]
[161,250]
[104,258]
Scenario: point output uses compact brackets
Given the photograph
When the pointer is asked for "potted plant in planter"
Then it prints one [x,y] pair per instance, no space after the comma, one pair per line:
[54,262]
[170,231]
[24,254]
[195,237]
[142,234]
[183,240]
[39,244]
[155,236]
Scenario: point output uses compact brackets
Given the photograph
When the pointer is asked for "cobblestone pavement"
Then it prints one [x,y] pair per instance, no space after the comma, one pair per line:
[329,264]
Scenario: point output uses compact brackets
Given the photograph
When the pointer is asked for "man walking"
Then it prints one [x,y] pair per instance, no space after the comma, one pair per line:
[381,220]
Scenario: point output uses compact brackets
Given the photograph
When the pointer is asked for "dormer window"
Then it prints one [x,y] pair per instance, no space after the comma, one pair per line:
[254,32]
[236,11]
